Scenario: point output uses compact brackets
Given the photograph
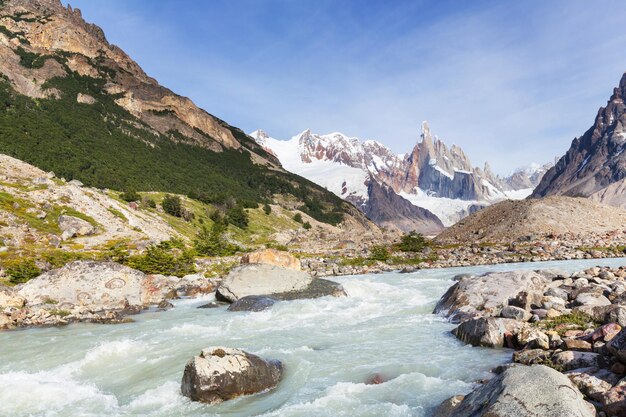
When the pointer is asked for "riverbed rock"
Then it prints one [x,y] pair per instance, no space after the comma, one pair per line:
[617,346]
[594,383]
[220,373]
[487,295]
[261,279]
[253,303]
[526,391]
[272,257]
[570,359]
[614,400]
[194,284]
[485,331]
[317,288]
[446,408]
[99,285]
[517,313]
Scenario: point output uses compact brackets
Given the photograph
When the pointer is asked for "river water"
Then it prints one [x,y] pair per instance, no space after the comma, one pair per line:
[330,347]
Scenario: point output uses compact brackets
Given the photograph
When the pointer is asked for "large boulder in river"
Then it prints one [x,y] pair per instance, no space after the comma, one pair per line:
[272,257]
[488,294]
[270,280]
[253,303]
[261,279]
[526,391]
[98,285]
[219,374]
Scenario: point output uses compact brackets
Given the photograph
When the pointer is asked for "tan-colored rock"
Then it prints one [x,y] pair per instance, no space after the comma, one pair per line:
[8,298]
[272,257]
[85,99]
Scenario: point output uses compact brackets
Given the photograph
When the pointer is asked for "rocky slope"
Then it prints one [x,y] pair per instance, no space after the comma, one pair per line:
[595,165]
[432,176]
[77,105]
[531,219]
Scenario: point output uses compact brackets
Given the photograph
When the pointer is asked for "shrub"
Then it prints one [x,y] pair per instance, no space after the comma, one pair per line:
[267,209]
[158,260]
[379,253]
[412,242]
[238,217]
[22,271]
[307,225]
[148,202]
[298,217]
[172,205]
[130,195]
[211,242]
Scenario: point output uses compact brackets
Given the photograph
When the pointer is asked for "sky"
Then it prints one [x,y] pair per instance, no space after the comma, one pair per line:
[511,82]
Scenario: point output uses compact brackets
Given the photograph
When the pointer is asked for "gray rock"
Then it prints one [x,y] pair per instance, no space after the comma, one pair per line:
[99,285]
[488,294]
[446,408]
[593,382]
[317,288]
[617,346]
[526,391]
[253,303]
[485,331]
[259,279]
[219,374]
[73,226]
[570,359]
[591,299]
[512,312]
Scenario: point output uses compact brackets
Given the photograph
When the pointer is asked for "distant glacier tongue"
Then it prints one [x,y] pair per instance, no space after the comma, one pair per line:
[330,348]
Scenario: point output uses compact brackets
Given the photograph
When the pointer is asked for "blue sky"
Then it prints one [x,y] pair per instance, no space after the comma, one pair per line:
[511,82]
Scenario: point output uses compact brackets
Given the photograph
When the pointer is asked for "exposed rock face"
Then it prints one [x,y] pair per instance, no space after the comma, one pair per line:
[219,374]
[272,257]
[487,295]
[8,298]
[595,165]
[485,331]
[509,221]
[525,391]
[386,208]
[261,279]
[104,285]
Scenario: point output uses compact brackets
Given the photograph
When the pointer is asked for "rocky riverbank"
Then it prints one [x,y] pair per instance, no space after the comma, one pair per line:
[572,323]
[437,255]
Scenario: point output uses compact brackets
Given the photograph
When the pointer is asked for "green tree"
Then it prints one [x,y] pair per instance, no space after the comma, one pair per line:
[238,217]
[307,225]
[379,253]
[298,217]
[211,242]
[172,205]
[130,195]
[267,209]
[412,242]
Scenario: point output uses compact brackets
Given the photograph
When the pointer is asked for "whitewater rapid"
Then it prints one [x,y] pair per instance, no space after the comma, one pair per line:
[330,348]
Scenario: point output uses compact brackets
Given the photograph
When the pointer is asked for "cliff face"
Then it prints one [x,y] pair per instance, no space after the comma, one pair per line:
[595,165]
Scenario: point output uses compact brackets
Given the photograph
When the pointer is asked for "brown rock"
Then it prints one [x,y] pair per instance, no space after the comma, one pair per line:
[272,257]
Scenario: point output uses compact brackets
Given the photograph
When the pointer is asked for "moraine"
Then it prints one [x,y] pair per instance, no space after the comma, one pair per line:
[330,348]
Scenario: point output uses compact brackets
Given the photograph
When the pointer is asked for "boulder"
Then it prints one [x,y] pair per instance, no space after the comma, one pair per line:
[317,288]
[446,408]
[485,331]
[593,382]
[98,285]
[526,391]
[487,295]
[571,359]
[532,338]
[73,226]
[272,257]
[193,284]
[591,299]
[531,356]
[617,346]
[512,312]
[253,303]
[614,400]
[261,279]
[219,374]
